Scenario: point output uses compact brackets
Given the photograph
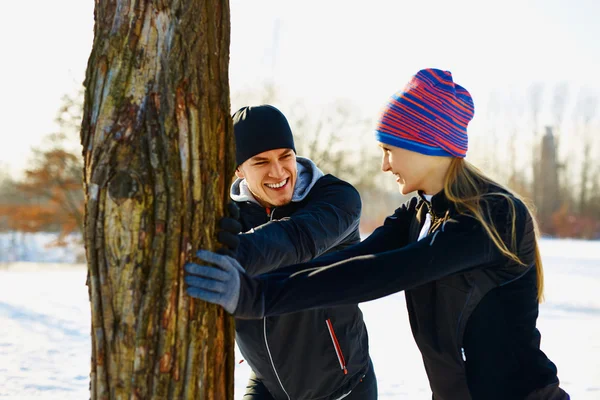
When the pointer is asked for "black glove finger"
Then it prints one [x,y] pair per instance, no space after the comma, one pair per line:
[228,239]
[230,225]
[233,210]
[226,252]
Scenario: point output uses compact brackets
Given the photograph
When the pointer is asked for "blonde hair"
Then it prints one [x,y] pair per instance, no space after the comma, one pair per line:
[463,187]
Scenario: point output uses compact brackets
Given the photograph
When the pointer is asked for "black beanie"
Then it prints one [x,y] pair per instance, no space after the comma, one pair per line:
[258,129]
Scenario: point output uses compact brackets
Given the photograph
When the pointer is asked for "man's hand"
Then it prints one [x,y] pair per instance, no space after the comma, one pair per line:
[230,229]
[219,284]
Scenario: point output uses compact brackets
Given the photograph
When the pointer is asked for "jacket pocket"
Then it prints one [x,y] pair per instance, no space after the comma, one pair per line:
[336,346]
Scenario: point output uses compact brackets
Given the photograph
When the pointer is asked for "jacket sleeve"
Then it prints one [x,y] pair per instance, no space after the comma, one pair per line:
[461,244]
[391,235]
[330,215]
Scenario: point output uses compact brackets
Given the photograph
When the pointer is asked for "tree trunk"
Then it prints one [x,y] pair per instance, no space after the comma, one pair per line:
[158,152]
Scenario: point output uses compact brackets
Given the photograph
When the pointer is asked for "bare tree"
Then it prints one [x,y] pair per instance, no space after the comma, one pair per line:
[158,159]
[55,171]
[535,102]
[517,110]
[560,98]
[8,197]
[8,187]
[559,103]
[339,141]
[587,105]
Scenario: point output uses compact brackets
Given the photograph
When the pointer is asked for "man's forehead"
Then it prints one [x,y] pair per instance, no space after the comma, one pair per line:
[265,155]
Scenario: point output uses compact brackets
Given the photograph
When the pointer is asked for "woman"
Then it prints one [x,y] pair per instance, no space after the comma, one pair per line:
[464,250]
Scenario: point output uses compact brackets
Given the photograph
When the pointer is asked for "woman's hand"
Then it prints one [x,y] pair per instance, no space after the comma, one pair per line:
[218,283]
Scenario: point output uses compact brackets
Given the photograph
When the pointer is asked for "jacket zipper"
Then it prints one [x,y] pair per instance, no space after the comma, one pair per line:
[271,359]
[433,218]
[336,346]
[433,226]
[272,211]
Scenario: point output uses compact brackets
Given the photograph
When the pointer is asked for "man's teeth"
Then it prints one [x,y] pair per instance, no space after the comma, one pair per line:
[277,185]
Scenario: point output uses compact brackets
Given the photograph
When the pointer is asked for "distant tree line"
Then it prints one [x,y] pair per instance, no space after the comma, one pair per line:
[556,165]
[49,196]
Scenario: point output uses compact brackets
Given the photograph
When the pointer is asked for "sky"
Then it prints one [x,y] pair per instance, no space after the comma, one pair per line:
[315,50]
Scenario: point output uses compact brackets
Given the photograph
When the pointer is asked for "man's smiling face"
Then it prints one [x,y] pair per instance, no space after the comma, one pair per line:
[271,176]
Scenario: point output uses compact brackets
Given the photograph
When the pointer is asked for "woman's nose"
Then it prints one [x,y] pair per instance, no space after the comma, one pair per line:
[385,165]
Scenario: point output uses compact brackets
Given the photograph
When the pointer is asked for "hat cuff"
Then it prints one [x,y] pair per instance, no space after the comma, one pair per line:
[411,145]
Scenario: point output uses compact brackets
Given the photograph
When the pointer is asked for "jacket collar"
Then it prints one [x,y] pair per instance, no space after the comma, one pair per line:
[438,205]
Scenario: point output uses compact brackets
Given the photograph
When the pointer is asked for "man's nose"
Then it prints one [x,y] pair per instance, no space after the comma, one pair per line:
[276,169]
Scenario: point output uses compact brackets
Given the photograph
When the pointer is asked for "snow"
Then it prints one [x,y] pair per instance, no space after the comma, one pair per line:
[19,246]
[45,320]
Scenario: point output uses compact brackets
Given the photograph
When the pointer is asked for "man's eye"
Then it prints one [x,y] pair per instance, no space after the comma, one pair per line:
[260,163]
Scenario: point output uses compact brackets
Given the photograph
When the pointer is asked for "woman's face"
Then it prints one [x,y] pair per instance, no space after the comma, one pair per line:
[411,169]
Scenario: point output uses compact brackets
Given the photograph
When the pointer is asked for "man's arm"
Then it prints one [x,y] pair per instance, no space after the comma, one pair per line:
[223,284]
[331,214]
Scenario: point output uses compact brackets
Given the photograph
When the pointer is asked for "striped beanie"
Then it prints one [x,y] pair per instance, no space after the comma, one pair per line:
[429,116]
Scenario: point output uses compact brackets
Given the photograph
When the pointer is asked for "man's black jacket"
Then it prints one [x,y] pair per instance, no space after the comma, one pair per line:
[318,354]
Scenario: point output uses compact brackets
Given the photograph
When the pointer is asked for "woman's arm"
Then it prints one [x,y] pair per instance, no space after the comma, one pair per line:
[460,245]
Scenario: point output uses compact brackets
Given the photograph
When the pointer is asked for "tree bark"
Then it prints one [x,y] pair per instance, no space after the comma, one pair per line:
[158,157]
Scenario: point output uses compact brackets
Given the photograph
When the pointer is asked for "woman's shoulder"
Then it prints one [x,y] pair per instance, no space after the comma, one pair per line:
[404,213]
[501,201]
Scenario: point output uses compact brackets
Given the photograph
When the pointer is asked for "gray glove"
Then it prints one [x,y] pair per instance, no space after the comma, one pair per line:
[219,284]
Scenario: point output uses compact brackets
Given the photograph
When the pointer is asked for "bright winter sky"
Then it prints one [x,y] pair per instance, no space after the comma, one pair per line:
[314,49]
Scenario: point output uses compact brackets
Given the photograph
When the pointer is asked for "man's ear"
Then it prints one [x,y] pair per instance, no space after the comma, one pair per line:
[239,173]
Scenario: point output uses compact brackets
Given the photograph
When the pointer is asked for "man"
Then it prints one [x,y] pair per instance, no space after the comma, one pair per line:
[291,212]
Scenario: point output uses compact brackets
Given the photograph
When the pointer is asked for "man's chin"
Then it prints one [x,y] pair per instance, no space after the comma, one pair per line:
[284,203]
[281,201]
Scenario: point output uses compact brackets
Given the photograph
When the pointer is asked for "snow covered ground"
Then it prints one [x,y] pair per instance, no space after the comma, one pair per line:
[31,247]
[45,345]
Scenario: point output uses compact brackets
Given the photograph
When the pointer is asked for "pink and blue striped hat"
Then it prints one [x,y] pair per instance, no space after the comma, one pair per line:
[429,116]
